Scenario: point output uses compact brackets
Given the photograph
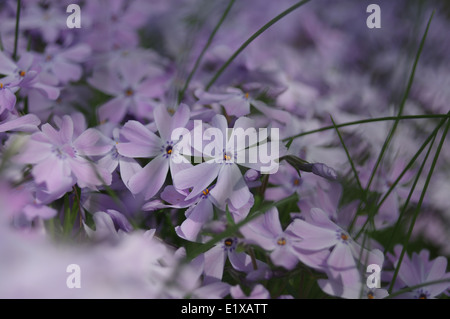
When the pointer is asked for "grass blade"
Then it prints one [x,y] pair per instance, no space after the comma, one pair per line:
[253,37]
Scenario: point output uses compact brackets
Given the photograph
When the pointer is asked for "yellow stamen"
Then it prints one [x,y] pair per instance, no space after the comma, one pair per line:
[296,182]
[171,111]
[226,157]
[1,85]
[129,92]
[22,73]
[281,241]
[205,192]
[169,151]
[344,236]
[370,295]
[246,95]
[228,242]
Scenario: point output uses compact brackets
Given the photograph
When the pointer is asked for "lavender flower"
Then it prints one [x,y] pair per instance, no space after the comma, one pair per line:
[59,157]
[144,143]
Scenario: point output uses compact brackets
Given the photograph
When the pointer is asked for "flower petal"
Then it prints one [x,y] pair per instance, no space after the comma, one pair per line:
[151,178]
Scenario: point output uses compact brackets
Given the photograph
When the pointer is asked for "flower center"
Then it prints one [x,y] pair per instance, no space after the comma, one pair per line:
[129,92]
[63,151]
[344,236]
[423,296]
[1,85]
[48,58]
[370,295]
[228,242]
[296,182]
[22,73]
[281,241]
[205,192]
[169,149]
[246,95]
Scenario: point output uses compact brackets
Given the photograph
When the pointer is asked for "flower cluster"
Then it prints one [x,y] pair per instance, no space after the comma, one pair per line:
[168,162]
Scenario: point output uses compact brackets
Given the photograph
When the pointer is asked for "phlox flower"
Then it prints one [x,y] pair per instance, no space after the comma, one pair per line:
[27,74]
[109,225]
[64,63]
[7,94]
[221,163]
[266,232]
[113,160]
[341,252]
[141,142]
[47,21]
[59,156]
[199,213]
[134,89]
[13,122]
[420,269]
[216,257]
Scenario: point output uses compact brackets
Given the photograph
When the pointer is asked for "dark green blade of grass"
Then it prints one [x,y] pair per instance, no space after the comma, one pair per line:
[205,48]
[365,121]
[253,37]
[419,205]
[411,162]
[16,33]
[413,187]
[402,104]
[386,143]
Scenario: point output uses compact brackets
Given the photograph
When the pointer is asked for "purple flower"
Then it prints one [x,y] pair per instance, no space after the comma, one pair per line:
[418,270]
[216,257]
[342,252]
[49,22]
[12,122]
[134,89]
[109,225]
[266,232]
[7,95]
[220,163]
[127,166]
[286,182]
[336,287]
[233,100]
[144,143]
[27,74]
[115,26]
[59,157]
[63,63]
[199,213]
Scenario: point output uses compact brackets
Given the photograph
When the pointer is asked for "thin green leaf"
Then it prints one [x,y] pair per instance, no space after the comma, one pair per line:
[253,37]
[419,205]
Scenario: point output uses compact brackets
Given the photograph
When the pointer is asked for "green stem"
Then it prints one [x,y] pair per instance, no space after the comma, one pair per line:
[409,289]
[352,164]
[253,37]
[378,119]
[402,105]
[200,57]
[16,35]
[411,162]
[413,187]
[419,205]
